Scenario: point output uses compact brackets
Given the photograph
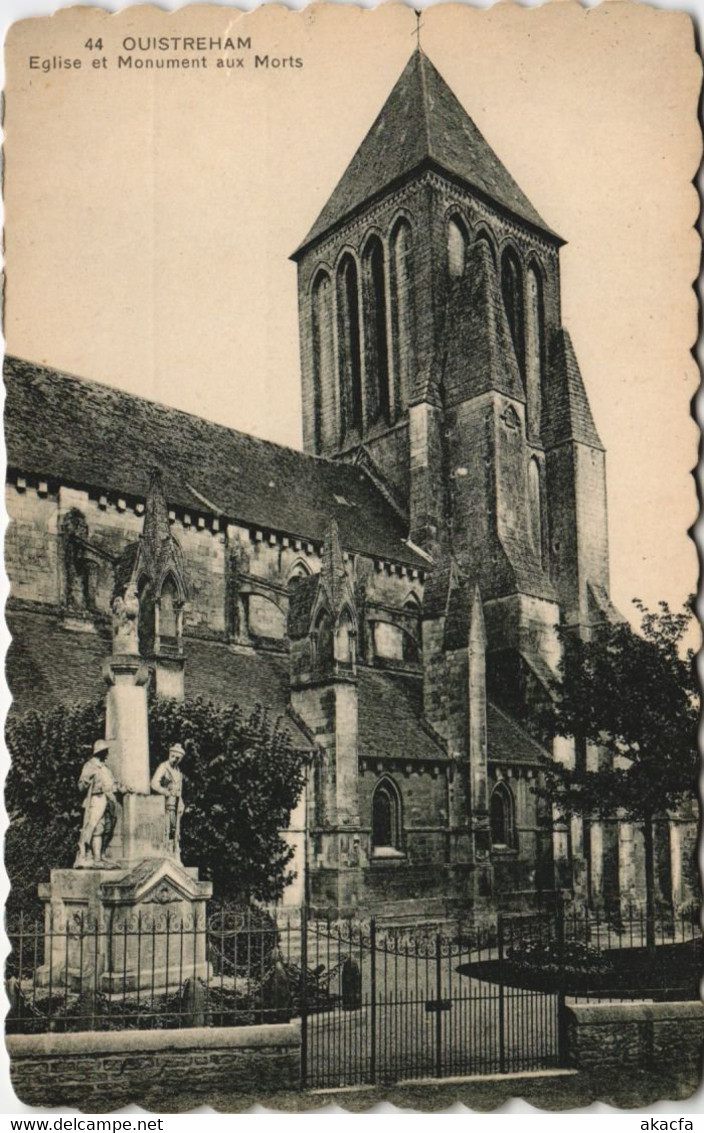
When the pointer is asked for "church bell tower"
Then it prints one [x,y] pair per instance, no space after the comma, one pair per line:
[433,353]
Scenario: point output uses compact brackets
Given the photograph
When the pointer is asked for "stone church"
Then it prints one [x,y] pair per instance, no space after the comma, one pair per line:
[392,591]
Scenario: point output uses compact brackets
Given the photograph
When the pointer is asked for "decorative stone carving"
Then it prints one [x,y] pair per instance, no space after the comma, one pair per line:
[146,569]
[80,567]
[164,894]
[510,418]
[125,614]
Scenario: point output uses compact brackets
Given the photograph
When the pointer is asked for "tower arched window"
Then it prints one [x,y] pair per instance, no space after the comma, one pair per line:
[323,359]
[501,817]
[483,238]
[456,248]
[349,346]
[402,322]
[512,292]
[535,505]
[535,337]
[376,336]
[386,818]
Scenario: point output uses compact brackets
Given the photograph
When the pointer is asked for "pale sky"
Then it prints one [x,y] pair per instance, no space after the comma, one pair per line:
[150,216]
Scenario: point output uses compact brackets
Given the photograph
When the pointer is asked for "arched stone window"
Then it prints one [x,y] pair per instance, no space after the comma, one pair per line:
[535,334]
[323,359]
[324,642]
[345,641]
[300,569]
[376,338]
[512,292]
[402,321]
[456,247]
[535,505]
[146,620]
[411,637]
[483,237]
[349,346]
[387,832]
[168,615]
[501,817]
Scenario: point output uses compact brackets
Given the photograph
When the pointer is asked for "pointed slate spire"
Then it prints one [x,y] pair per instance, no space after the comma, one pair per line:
[442,580]
[156,513]
[479,351]
[332,571]
[157,553]
[422,122]
[567,413]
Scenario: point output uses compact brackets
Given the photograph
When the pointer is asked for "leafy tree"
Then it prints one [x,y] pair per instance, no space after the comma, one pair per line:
[41,795]
[634,696]
[243,778]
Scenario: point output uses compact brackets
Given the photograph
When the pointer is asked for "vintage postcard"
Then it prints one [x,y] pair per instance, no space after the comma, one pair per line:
[347,413]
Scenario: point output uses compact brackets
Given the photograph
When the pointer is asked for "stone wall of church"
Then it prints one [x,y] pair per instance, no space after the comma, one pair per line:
[531,622]
[217,556]
[36,551]
[523,866]
[576,483]
[423,795]
[32,545]
[445,688]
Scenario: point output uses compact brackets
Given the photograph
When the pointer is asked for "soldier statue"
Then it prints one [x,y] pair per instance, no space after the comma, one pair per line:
[167,780]
[99,809]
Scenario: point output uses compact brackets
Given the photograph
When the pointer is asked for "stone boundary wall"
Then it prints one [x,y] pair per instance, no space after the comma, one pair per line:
[601,1036]
[100,1070]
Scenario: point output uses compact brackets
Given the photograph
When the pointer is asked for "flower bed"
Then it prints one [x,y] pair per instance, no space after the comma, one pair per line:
[671,972]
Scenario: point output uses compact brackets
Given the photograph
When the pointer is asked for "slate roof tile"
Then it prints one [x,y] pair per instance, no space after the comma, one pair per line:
[507,742]
[566,411]
[422,121]
[390,709]
[48,665]
[88,434]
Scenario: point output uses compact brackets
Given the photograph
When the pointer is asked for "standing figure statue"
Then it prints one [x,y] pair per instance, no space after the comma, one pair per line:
[100,809]
[167,780]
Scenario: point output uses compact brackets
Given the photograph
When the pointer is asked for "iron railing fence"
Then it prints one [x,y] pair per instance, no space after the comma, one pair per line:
[594,953]
[415,1004]
[375,1004]
[155,970]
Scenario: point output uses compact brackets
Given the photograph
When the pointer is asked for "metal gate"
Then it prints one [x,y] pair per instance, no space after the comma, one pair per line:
[389,1006]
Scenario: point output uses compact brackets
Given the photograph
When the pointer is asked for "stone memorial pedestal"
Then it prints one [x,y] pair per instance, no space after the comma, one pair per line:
[123,931]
